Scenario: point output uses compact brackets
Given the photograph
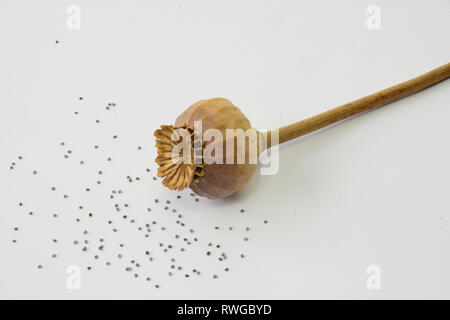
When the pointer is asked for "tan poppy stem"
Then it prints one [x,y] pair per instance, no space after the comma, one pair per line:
[372,101]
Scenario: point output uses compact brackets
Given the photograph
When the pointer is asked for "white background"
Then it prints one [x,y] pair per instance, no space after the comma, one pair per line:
[371,191]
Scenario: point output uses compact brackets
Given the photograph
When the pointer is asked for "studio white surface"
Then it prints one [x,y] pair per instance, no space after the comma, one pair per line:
[369,191]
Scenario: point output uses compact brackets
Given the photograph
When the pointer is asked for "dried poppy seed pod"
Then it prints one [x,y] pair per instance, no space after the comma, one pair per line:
[219,180]
[210,179]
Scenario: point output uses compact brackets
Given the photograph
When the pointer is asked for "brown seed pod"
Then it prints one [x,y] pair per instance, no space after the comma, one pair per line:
[215,180]
[220,179]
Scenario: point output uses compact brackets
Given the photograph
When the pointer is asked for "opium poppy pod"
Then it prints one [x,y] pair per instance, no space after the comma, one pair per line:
[208,173]
[210,161]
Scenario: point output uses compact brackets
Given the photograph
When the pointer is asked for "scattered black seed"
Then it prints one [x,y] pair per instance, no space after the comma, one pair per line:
[265,221]
[89,268]
[147,253]
[40,267]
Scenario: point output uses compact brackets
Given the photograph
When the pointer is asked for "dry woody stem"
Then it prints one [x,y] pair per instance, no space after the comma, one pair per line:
[372,101]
